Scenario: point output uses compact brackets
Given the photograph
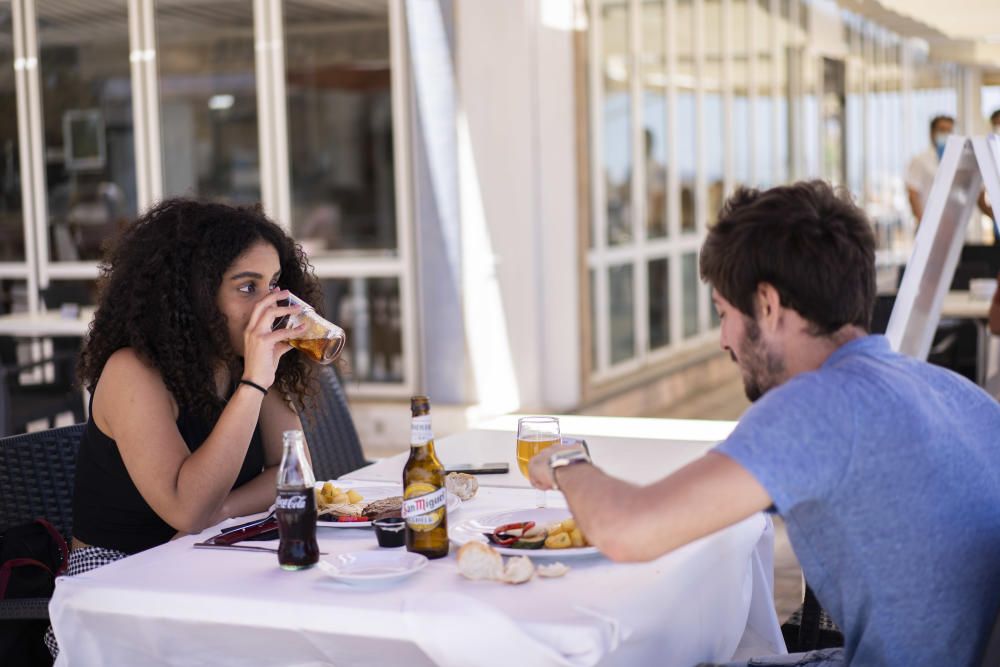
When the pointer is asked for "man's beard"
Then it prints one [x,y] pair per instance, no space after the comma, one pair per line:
[761,369]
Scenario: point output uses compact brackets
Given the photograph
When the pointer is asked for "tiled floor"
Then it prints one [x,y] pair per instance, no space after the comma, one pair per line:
[729,402]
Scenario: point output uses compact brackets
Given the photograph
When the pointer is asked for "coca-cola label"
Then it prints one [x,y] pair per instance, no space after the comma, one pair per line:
[293,500]
[420,431]
[426,511]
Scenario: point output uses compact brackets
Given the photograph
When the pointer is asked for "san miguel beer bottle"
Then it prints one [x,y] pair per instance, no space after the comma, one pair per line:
[425,498]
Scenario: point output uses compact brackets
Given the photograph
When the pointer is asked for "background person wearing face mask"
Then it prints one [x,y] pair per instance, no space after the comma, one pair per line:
[922,168]
[920,172]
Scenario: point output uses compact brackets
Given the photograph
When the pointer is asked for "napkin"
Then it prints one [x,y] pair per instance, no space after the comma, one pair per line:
[456,630]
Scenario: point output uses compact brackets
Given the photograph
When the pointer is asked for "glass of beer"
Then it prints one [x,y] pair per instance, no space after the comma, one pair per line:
[322,341]
[533,435]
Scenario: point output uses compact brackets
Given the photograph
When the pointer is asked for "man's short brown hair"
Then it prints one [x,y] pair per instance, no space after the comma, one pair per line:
[808,240]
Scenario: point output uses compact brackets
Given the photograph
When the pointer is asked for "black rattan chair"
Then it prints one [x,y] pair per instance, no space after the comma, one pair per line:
[326,420]
[810,628]
[37,471]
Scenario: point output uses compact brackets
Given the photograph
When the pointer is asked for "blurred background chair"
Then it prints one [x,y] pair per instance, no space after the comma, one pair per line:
[37,472]
[37,390]
[329,429]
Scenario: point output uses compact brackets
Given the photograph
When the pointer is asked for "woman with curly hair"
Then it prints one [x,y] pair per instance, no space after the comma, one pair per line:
[191,388]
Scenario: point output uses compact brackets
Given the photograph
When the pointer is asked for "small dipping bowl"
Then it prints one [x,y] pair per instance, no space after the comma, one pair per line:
[390,532]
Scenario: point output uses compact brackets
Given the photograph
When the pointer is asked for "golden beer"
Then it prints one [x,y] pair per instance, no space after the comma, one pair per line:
[322,340]
[529,447]
[320,350]
[425,497]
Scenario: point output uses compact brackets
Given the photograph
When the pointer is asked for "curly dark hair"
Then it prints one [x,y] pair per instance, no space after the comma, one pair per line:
[807,239]
[157,294]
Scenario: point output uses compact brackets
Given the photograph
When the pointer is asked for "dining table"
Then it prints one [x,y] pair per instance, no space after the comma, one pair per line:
[711,600]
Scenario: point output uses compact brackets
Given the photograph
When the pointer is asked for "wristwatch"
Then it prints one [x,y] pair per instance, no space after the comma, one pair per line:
[567,457]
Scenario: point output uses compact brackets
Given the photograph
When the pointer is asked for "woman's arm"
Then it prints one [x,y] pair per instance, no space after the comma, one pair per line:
[133,406]
[258,494]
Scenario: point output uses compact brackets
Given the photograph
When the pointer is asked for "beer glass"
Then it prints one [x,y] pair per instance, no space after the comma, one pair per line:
[322,341]
[533,435]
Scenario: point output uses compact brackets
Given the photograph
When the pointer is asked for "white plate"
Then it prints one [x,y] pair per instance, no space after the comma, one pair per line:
[373,567]
[371,494]
[474,529]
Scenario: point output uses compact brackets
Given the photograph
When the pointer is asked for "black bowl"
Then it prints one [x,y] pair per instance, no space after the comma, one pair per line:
[390,532]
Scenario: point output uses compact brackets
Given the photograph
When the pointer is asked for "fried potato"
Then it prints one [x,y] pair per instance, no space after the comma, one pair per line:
[558,541]
[555,528]
[329,495]
[576,538]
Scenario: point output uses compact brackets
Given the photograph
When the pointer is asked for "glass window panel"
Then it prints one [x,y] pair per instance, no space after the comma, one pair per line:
[617,145]
[208,100]
[340,141]
[741,103]
[11,221]
[713,114]
[687,147]
[78,292]
[782,34]
[87,114]
[13,298]
[659,302]
[621,294]
[368,310]
[689,290]
[654,79]
[765,86]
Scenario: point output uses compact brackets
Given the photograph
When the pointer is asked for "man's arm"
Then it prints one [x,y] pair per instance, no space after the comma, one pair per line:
[632,523]
[915,205]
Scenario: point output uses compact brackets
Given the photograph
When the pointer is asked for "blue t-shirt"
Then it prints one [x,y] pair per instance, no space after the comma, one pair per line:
[886,471]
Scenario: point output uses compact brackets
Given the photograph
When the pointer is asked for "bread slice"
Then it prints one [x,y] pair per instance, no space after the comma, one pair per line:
[479,561]
[462,484]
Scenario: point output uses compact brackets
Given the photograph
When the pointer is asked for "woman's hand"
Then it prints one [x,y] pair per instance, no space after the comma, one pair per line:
[262,347]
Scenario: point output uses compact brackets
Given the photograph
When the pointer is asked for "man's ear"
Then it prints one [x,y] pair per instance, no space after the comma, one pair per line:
[768,303]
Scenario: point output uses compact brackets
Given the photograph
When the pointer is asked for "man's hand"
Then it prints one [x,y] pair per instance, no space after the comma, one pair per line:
[539,472]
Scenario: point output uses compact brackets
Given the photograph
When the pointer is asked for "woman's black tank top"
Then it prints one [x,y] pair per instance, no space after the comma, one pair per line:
[109,511]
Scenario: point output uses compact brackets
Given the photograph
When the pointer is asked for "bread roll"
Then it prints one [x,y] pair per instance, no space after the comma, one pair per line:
[479,561]
[462,485]
[519,570]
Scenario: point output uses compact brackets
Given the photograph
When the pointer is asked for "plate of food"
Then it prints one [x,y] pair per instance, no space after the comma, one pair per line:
[546,532]
[358,506]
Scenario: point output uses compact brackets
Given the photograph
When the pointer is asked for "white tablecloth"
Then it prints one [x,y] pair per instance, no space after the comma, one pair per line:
[177,605]
[639,450]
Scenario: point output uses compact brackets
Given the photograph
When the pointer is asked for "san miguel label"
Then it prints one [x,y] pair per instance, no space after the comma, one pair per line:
[424,506]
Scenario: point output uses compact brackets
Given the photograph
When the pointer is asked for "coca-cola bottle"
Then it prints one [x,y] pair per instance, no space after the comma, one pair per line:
[295,506]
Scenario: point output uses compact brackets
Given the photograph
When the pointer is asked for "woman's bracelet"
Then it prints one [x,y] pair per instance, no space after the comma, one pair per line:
[254,385]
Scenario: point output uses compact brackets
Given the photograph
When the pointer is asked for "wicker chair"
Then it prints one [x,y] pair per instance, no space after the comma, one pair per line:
[810,628]
[329,429]
[36,480]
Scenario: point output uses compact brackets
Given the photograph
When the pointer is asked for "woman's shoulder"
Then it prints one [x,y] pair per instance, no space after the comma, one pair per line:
[126,377]
[127,362]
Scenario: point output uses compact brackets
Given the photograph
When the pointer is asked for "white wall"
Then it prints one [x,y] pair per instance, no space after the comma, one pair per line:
[517,184]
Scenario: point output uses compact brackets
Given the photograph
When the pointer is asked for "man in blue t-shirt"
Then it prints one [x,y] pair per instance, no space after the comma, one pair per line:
[885,469]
